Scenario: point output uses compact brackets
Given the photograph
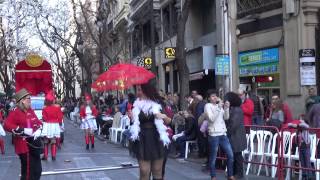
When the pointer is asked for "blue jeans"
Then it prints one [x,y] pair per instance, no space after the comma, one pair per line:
[224,143]
[181,141]
[304,157]
[257,120]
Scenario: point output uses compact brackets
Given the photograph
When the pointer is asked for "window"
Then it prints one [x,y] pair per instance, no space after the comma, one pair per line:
[169,20]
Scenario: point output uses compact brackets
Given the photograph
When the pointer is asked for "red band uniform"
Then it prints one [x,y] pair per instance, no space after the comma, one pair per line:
[88,114]
[17,122]
[52,119]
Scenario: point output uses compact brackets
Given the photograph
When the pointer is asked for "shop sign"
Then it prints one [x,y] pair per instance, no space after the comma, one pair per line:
[307,67]
[170,52]
[222,65]
[259,57]
[261,69]
[145,62]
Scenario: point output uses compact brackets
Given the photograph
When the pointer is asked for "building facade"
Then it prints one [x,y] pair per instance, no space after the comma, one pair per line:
[274,48]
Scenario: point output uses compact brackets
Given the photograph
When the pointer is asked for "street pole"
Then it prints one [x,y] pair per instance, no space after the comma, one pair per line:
[153,53]
[233,45]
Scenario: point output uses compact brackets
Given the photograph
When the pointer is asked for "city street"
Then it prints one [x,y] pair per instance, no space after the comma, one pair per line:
[74,155]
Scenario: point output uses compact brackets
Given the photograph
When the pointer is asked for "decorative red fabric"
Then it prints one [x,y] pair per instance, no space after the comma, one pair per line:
[34,79]
[50,96]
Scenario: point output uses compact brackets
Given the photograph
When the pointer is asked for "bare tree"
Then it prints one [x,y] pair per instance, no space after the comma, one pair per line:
[6,61]
[181,54]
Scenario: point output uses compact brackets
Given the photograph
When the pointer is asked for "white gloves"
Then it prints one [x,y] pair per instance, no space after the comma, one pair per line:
[28,131]
[36,134]
[175,137]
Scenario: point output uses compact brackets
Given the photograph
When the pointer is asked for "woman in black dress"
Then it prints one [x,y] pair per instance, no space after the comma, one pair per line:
[148,132]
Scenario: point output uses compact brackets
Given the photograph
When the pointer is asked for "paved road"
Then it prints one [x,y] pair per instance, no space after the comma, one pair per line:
[74,155]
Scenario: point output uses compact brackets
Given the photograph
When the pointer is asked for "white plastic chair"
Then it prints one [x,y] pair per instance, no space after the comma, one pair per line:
[265,149]
[125,122]
[115,125]
[253,150]
[247,150]
[187,147]
[286,145]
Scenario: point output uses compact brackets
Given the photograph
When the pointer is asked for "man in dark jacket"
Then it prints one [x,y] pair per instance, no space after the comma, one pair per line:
[202,141]
[189,134]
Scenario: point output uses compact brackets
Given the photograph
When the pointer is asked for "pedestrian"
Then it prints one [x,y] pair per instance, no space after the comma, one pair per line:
[277,115]
[312,99]
[236,132]
[303,141]
[247,107]
[148,133]
[202,140]
[215,111]
[88,114]
[189,134]
[52,121]
[258,111]
[2,132]
[24,124]
[313,119]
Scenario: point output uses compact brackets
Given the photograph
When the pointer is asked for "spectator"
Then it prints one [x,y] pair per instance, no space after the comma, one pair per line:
[312,99]
[236,132]
[189,134]
[202,140]
[258,110]
[313,119]
[194,93]
[176,106]
[247,107]
[123,105]
[215,112]
[277,115]
[285,107]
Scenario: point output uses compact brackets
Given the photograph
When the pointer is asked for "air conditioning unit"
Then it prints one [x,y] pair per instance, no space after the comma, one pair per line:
[290,6]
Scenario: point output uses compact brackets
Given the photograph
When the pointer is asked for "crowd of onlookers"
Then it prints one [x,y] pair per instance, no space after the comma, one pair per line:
[213,121]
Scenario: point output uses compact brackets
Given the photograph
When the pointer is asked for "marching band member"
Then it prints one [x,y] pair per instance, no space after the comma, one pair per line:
[24,124]
[52,119]
[88,114]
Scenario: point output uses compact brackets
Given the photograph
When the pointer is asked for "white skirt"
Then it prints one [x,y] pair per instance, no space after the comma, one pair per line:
[51,130]
[89,124]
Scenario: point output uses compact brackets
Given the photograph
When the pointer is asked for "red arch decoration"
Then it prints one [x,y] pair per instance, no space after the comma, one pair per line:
[34,79]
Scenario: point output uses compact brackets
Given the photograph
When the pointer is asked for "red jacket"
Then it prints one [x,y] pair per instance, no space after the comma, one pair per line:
[21,119]
[286,111]
[83,111]
[247,108]
[52,114]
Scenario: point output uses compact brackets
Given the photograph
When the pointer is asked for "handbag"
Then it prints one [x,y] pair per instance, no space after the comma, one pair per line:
[35,146]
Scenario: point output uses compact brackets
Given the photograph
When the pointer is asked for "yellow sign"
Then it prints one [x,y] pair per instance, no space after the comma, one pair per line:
[34,60]
[147,62]
[170,52]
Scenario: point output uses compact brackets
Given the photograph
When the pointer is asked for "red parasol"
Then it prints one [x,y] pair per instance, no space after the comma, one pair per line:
[122,76]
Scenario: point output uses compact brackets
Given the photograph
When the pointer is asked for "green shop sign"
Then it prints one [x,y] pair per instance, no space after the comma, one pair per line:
[261,69]
[259,57]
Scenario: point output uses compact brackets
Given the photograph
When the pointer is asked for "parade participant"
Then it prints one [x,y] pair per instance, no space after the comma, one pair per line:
[23,123]
[88,113]
[2,133]
[52,120]
[148,132]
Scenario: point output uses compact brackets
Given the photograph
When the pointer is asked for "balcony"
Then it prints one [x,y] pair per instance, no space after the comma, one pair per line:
[121,16]
[248,7]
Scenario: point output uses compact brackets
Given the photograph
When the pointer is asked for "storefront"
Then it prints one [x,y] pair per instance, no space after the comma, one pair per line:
[259,71]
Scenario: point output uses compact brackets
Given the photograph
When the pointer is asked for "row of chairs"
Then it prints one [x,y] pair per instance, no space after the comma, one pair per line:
[115,132]
[262,147]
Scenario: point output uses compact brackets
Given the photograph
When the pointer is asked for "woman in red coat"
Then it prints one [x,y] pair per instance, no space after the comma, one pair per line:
[247,107]
[52,120]
[88,114]
[23,123]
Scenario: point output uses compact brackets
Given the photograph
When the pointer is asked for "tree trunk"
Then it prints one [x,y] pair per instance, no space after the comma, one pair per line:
[181,54]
